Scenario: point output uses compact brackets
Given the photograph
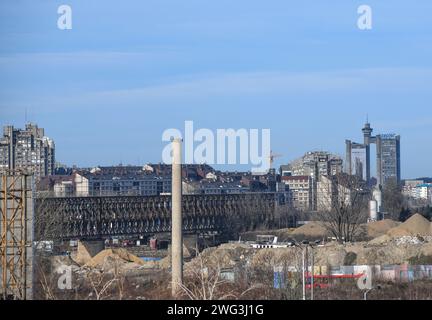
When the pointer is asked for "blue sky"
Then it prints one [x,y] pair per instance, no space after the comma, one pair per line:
[108,88]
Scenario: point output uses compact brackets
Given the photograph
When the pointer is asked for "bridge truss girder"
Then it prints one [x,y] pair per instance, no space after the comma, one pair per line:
[104,217]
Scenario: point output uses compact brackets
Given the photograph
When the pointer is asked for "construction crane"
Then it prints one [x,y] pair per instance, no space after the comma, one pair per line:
[272,157]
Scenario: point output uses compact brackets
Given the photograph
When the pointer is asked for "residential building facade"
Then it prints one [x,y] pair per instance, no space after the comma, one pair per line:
[300,191]
[112,181]
[28,150]
[418,190]
[409,188]
[339,189]
[313,165]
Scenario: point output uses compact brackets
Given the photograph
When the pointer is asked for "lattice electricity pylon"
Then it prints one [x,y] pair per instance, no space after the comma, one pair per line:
[16,221]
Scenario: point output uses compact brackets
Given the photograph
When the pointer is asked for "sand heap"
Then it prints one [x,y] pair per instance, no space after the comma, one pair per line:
[417,225]
[312,229]
[379,228]
[110,258]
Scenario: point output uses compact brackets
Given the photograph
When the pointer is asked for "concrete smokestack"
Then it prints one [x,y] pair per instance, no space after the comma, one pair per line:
[177,236]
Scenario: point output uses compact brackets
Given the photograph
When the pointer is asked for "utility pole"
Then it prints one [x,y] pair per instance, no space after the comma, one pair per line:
[303,272]
[313,274]
[177,236]
[305,268]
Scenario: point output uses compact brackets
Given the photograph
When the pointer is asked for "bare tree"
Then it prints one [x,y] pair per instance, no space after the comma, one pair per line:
[100,284]
[47,283]
[393,199]
[47,224]
[285,216]
[204,281]
[342,205]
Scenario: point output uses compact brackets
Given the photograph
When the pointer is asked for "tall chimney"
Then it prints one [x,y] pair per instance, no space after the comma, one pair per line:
[177,236]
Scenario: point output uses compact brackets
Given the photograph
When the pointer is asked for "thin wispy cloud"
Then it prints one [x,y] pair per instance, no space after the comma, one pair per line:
[87,57]
[301,68]
[252,84]
[413,123]
[276,83]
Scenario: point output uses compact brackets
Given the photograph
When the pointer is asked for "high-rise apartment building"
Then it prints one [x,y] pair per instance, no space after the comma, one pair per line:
[388,158]
[314,164]
[309,169]
[357,165]
[358,157]
[28,149]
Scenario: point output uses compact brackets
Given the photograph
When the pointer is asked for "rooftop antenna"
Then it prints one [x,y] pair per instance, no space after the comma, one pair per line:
[25,115]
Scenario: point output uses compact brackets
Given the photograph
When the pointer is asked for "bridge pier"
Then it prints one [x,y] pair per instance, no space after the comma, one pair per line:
[88,249]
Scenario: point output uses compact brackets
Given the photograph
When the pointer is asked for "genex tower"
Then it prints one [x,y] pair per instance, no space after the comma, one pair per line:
[358,156]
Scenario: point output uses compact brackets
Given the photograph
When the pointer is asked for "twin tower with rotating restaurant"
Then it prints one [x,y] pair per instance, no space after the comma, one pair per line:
[388,164]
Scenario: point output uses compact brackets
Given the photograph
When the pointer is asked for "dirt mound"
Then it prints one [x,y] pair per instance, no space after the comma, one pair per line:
[268,258]
[386,255]
[380,240]
[228,255]
[108,258]
[331,255]
[312,229]
[416,225]
[225,256]
[379,228]
[165,263]
[427,249]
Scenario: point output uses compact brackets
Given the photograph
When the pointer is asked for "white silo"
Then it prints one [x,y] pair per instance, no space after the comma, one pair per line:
[373,210]
[377,195]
